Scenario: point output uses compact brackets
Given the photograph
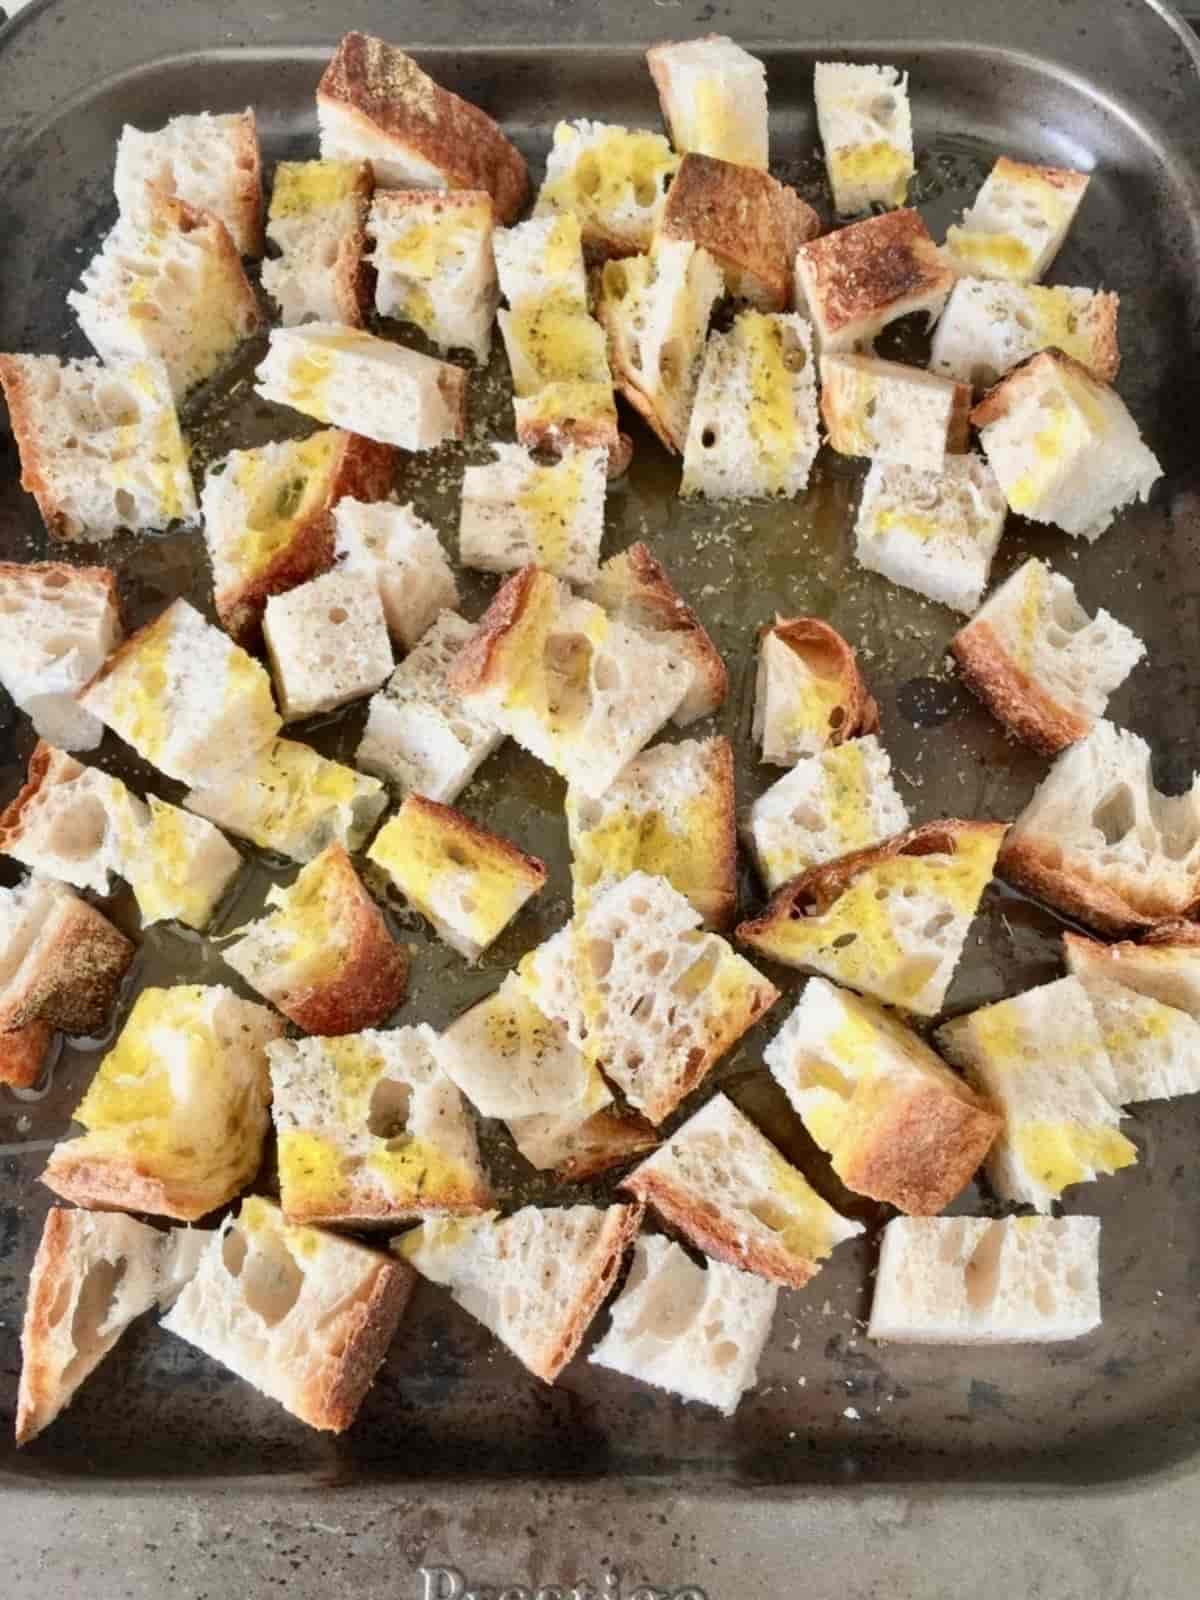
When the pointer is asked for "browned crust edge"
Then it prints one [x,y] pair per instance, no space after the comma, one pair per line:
[1027,864]
[357,1343]
[44,758]
[617,1233]
[653,595]
[83,963]
[23,1053]
[117,1184]
[825,652]
[1002,396]
[1174,931]
[476,664]
[248,159]
[451,821]
[880,264]
[23,418]
[607,1139]
[1025,708]
[925,1152]
[359,1211]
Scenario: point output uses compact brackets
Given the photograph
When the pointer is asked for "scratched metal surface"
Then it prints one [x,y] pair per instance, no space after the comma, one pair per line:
[830,1408]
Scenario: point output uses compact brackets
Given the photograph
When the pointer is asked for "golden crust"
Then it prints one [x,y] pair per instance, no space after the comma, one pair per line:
[382,89]
[829,656]
[1065,178]
[887,263]
[22,415]
[516,861]
[1175,931]
[64,575]
[717,902]
[580,433]
[924,1152]
[1036,866]
[185,219]
[118,1183]
[617,1233]
[23,1053]
[478,662]
[39,1396]
[467,1201]
[1106,350]
[77,985]
[248,185]
[1013,697]
[1003,396]
[353,275]
[354,1345]
[45,764]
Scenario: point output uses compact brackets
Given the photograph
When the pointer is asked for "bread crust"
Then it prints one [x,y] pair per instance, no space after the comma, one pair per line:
[476,666]
[873,266]
[248,185]
[1065,178]
[1034,865]
[356,1343]
[1106,349]
[925,1152]
[44,761]
[450,821]
[606,1140]
[618,1231]
[120,1184]
[582,434]
[824,651]
[1175,931]
[188,219]
[467,1201]
[353,276]
[50,1274]
[383,90]
[1003,396]
[1013,697]
[67,576]
[77,984]
[719,901]
[23,1053]
[22,415]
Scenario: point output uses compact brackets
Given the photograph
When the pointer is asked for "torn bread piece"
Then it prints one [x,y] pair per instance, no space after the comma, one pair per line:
[989,327]
[893,412]
[176,1114]
[541,259]
[645,994]
[934,531]
[1154,1048]
[1101,843]
[753,429]
[57,625]
[178,866]
[695,1331]
[1017,222]
[61,961]
[327,642]
[714,98]
[100,445]
[167,284]
[292,801]
[583,1142]
[897,1123]
[374,101]
[731,1194]
[670,814]
[634,588]
[210,162]
[467,881]
[855,281]
[354,380]
[404,555]
[371,1131]
[535,1279]
[512,1061]
[25,1053]
[318,223]
[579,689]
[434,265]
[808,692]
[268,517]
[516,510]
[1040,664]
[655,309]
[972,1280]
[303,1315]
[865,123]
[614,179]
[322,952]
[1064,446]
[889,921]
[420,734]
[828,804]
[1041,1060]
[1165,966]
[187,699]
[93,1275]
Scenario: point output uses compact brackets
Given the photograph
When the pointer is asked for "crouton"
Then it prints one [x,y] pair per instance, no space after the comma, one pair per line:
[1017,222]
[714,98]
[855,281]
[434,265]
[318,222]
[57,624]
[809,693]
[892,412]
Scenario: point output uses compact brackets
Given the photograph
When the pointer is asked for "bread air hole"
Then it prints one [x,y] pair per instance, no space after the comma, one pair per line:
[771,1214]
[981,1271]
[390,1109]
[1116,814]
[270,1279]
[97,1295]
[79,831]
[669,1308]
[708,437]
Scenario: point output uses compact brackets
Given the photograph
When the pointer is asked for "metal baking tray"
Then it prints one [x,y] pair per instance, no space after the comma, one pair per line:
[1110,88]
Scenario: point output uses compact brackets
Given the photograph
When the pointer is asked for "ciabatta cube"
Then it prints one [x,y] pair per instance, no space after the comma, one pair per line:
[516,510]
[540,259]
[865,123]
[1154,1048]
[892,412]
[209,162]
[57,624]
[327,642]
[434,265]
[404,554]
[562,385]
[512,1061]
[178,866]
[1017,222]
[61,961]
[318,223]
[855,281]
[809,693]
[614,179]
[714,98]
[989,327]
[1164,967]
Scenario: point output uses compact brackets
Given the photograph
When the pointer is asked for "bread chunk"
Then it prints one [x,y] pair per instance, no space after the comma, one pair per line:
[614,179]
[57,624]
[516,511]
[404,554]
[512,1061]
[327,642]
[990,326]
[318,223]
[892,412]
[1017,222]
[865,123]
[855,281]
[24,1053]
[1154,1048]
[209,162]
[809,693]
[1165,966]
[714,98]
[434,265]
[583,1142]
[61,961]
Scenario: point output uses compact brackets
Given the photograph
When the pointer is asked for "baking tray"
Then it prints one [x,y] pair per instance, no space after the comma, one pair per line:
[1088,85]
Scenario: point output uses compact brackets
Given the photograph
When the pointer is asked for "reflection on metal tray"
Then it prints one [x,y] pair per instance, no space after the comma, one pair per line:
[830,1406]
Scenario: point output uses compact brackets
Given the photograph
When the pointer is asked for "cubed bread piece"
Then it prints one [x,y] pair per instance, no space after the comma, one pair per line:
[935,531]
[893,412]
[855,281]
[972,1280]
[562,385]
[694,1331]
[749,223]
[1099,842]
[178,866]
[468,882]
[1154,1048]
[1040,1059]
[1165,967]
[865,123]
[989,327]
[268,517]
[516,510]
[645,994]
[100,445]
[92,1276]
[303,1315]
[322,951]
[634,587]
[420,735]
[318,223]
[57,624]
[209,162]
[713,96]
[327,642]
[583,1142]
[188,699]
[670,814]
[898,1124]
[614,179]
[655,310]
[1017,222]
[891,920]
[167,284]
[535,1279]
[1039,663]
[61,961]
[829,804]
[374,101]
[290,800]
[582,691]
[434,265]
[731,1194]
[541,258]
[404,555]
[1064,447]
[176,1114]
[808,693]
[511,1060]
[371,1131]
[753,428]
[24,1052]
[365,384]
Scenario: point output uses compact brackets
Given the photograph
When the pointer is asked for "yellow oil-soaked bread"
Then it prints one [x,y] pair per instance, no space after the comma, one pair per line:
[61,961]
[714,98]
[318,223]
[404,555]
[990,326]
[614,179]
[516,510]
[57,624]
[209,162]
[865,122]
[1017,222]
[855,281]
[434,265]
[1154,1046]
[809,693]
